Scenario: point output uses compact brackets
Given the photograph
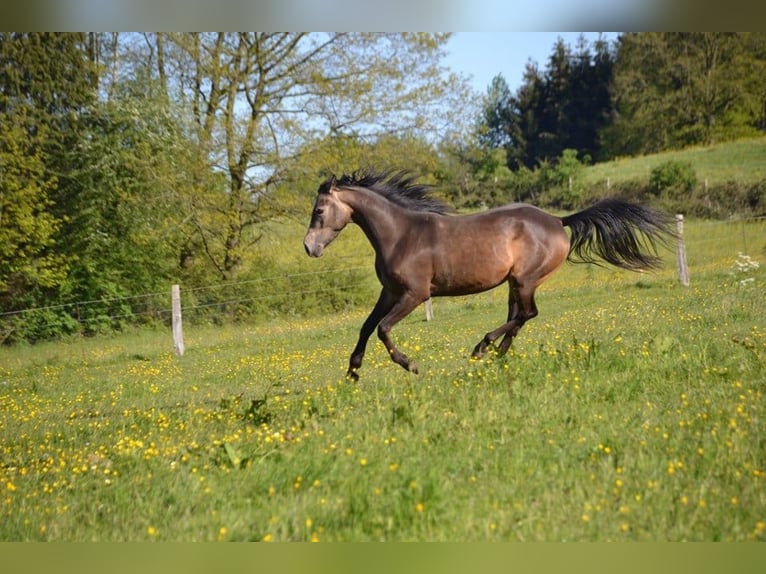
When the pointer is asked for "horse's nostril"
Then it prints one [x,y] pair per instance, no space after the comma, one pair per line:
[313,249]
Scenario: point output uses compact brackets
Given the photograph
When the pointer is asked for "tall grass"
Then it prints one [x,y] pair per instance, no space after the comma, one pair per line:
[632,408]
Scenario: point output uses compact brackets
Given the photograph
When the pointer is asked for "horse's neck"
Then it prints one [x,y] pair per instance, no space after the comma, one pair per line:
[380,219]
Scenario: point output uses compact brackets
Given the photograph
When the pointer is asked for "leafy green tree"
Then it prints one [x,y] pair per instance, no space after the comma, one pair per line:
[677,89]
[44,86]
[673,175]
[495,119]
[562,107]
[563,180]
[588,108]
[525,117]
[28,263]
[91,190]
[124,190]
[256,100]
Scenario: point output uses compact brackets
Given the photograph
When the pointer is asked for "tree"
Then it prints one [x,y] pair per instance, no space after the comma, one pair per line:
[27,228]
[255,100]
[495,116]
[562,107]
[44,86]
[124,188]
[677,89]
[527,108]
[553,121]
[90,188]
[588,108]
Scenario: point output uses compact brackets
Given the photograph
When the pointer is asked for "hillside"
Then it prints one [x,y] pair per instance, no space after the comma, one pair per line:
[741,160]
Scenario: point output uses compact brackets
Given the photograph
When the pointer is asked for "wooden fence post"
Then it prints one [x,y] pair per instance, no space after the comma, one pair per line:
[683,269]
[429,310]
[178,331]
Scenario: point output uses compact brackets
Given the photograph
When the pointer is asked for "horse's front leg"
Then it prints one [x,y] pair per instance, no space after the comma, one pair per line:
[382,307]
[403,307]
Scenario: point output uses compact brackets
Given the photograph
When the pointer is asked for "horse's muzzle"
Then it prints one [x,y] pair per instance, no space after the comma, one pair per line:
[313,248]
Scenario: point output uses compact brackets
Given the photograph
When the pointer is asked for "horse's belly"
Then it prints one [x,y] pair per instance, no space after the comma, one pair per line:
[467,280]
[464,289]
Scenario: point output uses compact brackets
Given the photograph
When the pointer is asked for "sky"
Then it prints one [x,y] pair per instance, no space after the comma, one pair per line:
[481,56]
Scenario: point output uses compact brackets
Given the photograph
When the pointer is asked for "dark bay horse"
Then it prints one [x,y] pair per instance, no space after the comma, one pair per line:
[423,251]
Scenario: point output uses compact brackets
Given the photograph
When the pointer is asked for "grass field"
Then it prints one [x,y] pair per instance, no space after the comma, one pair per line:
[742,161]
[632,408]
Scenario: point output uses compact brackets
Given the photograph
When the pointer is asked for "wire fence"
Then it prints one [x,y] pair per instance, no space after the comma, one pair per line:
[281,293]
[295,293]
[747,234]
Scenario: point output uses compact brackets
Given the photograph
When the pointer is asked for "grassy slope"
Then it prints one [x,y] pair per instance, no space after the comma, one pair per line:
[743,160]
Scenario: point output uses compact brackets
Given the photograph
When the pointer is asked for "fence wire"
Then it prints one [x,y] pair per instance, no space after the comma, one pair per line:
[215,302]
[208,303]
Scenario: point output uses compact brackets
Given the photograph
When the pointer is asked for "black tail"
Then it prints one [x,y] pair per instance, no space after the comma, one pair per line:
[620,233]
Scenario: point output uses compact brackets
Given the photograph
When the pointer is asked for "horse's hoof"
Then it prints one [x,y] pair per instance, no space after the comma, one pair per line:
[479,351]
[351,375]
[413,368]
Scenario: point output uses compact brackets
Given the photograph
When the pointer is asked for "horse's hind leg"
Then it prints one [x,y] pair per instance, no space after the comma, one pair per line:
[527,276]
[522,317]
[521,308]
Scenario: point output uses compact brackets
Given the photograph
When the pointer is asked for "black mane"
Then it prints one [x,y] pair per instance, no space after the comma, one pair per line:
[398,187]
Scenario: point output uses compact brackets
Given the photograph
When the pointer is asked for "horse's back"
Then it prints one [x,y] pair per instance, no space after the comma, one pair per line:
[519,216]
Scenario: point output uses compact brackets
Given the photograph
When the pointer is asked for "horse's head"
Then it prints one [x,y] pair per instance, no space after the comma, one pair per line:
[328,219]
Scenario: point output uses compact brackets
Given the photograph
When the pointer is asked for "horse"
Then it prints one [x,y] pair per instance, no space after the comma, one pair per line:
[424,249]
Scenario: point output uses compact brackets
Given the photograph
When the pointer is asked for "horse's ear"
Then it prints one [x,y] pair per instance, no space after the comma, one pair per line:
[327,185]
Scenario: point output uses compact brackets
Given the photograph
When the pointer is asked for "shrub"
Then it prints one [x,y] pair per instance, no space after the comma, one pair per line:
[672,176]
[755,197]
[524,186]
[38,325]
[729,199]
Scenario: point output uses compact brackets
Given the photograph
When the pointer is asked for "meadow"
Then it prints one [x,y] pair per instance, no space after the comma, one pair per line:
[631,409]
[740,160]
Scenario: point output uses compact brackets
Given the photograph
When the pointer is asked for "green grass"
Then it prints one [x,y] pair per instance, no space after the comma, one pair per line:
[742,161]
[632,408]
